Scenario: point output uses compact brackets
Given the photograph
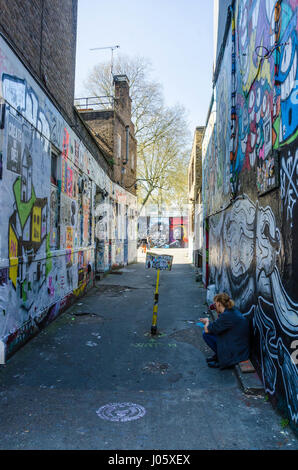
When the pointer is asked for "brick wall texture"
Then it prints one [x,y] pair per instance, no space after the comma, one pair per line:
[195,164]
[109,127]
[43,35]
[43,32]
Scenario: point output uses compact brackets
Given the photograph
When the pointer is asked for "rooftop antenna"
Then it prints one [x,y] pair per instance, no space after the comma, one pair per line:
[112,50]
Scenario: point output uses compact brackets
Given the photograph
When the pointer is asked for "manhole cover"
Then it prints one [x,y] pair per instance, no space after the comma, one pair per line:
[121,412]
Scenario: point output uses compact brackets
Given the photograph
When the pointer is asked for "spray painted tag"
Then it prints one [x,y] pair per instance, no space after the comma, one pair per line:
[156,261]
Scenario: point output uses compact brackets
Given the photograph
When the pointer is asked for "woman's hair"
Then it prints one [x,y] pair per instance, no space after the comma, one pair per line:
[225,300]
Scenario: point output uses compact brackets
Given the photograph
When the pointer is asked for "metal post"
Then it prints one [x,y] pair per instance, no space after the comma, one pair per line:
[154,319]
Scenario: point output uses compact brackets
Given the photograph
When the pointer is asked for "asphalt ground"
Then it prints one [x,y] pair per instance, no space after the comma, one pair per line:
[95,379]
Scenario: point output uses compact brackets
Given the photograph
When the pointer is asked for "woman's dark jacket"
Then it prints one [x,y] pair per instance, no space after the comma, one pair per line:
[232,334]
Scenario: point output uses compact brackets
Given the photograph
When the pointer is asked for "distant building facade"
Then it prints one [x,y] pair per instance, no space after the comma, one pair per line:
[195,231]
[166,228]
[250,186]
[57,186]
[113,130]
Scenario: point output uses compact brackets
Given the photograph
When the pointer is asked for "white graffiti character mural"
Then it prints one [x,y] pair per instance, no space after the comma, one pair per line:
[245,244]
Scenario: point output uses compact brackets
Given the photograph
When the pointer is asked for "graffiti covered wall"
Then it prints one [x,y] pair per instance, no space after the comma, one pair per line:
[252,238]
[51,219]
[170,232]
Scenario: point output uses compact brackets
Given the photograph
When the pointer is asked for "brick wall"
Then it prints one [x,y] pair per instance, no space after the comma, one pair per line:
[109,127]
[96,148]
[122,98]
[195,164]
[102,123]
[195,177]
[198,167]
[43,33]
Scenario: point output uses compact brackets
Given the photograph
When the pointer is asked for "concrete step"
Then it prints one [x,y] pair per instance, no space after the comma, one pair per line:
[246,367]
[249,382]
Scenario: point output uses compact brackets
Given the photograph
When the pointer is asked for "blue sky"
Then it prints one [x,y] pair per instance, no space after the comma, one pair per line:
[176,35]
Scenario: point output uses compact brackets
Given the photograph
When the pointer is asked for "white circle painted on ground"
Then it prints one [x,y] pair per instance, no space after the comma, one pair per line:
[121,412]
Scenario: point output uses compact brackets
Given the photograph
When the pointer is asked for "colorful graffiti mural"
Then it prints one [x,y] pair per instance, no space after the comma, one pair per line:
[170,232]
[115,230]
[251,244]
[244,253]
[49,236]
[266,87]
[178,232]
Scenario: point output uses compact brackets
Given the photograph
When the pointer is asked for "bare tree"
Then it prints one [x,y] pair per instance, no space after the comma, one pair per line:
[177,193]
[162,132]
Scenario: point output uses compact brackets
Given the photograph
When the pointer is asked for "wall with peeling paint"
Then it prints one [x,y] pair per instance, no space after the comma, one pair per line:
[251,198]
[62,219]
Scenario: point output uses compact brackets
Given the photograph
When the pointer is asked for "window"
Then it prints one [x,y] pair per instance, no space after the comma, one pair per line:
[55,218]
[55,200]
[54,167]
[133,160]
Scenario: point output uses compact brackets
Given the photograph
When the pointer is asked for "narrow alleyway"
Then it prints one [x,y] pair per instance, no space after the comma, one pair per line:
[100,352]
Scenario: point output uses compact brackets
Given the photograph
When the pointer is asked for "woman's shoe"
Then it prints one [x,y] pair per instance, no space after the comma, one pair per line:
[213,364]
[212,358]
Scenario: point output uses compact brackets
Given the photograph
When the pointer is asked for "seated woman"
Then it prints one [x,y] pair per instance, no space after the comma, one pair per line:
[228,336]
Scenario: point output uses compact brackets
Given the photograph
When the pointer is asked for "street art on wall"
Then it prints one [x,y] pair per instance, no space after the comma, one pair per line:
[286,73]
[48,185]
[143,227]
[168,232]
[251,246]
[178,232]
[254,91]
[208,167]
[158,261]
[266,87]
[216,180]
[289,215]
[244,253]
[289,183]
[159,230]
[221,154]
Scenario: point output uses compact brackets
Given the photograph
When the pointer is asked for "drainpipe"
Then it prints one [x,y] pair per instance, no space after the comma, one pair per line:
[127,144]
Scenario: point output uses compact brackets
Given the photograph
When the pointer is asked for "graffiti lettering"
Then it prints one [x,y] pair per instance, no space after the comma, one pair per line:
[48,223]
[23,99]
[294,95]
[289,182]
[251,250]
[294,354]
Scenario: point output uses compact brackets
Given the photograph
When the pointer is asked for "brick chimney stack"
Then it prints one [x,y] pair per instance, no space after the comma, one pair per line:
[115,134]
[122,98]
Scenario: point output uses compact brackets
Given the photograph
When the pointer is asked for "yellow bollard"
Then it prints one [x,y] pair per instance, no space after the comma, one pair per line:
[154,319]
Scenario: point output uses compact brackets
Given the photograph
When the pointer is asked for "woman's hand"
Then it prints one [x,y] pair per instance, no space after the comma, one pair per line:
[206,323]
